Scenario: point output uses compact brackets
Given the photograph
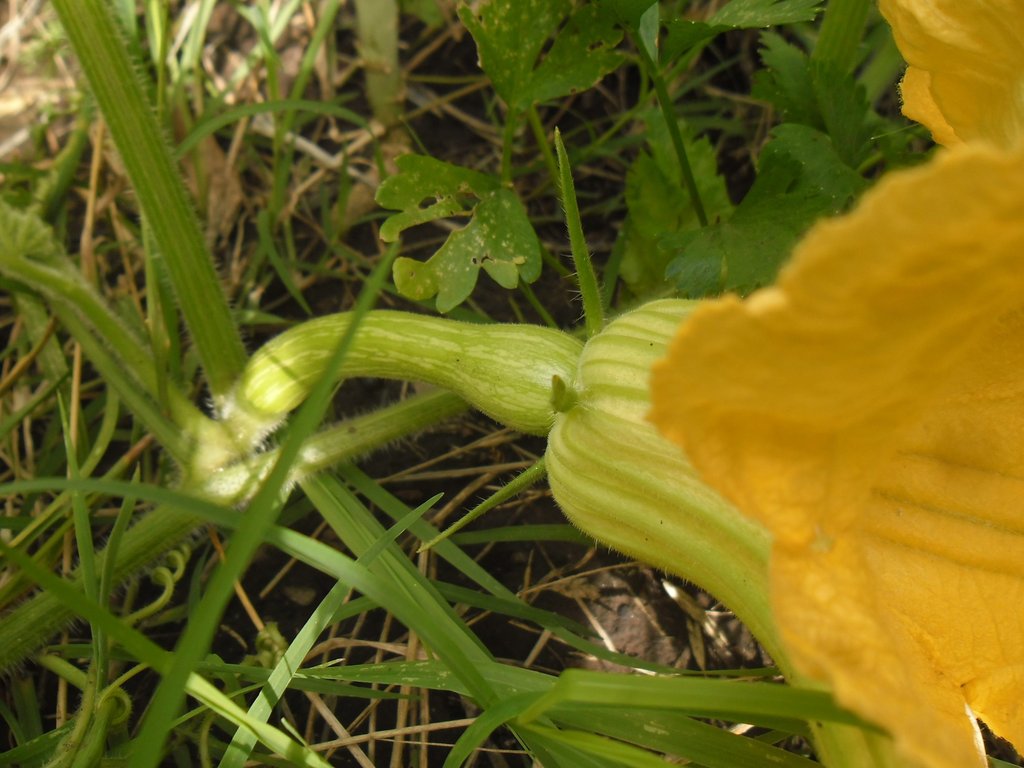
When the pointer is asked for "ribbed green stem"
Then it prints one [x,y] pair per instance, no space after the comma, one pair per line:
[119,91]
[33,257]
[30,626]
[332,446]
[623,483]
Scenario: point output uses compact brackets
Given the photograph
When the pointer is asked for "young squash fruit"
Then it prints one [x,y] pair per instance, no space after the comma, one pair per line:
[504,370]
[611,472]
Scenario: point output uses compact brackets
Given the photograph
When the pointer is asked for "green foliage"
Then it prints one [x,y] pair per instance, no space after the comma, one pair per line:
[25,237]
[801,178]
[499,237]
[684,34]
[629,12]
[768,705]
[659,204]
[818,94]
[510,35]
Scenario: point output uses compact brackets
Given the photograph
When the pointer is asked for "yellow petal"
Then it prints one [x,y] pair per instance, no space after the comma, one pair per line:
[869,410]
[918,104]
[843,627]
[965,81]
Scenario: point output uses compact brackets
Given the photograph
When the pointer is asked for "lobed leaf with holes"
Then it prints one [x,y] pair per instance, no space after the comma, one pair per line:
[498,238]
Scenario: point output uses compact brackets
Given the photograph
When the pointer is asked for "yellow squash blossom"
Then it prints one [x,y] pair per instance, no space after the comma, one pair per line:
[869,410]
[965,79]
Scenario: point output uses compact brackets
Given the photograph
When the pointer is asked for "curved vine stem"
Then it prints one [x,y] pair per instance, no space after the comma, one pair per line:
[29,626]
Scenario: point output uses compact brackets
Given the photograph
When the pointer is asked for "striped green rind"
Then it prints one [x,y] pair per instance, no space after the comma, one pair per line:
[505,371]
[615,366]
[620,481]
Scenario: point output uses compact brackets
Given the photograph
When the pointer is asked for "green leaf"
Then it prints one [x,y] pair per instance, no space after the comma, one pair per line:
[756,703]
[684,34]
[665,731]
[421,178]
[659,204]
[849,120]
[499,239]
[649,30]
[26,236]
[819,94]
[583,53]
[511,34]
[801,179]
[628,12]
[786,83]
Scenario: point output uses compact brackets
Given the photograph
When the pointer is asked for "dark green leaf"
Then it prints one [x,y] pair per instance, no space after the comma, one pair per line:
[684,34]
[701,270]
[628,12]
[786,83]
[818,94]
[642,19]
[659,204]
[510,35]
[499,239]
[583,53]
[801,178]
[849,120]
